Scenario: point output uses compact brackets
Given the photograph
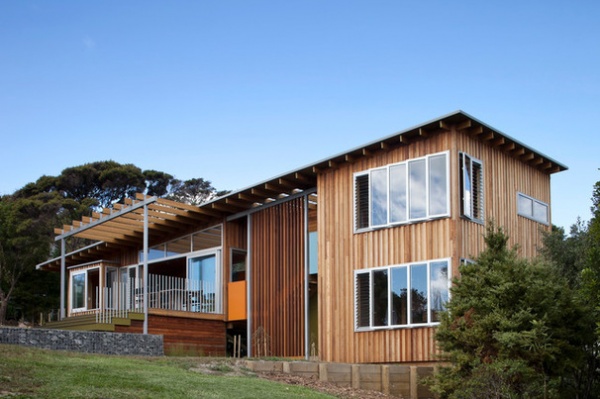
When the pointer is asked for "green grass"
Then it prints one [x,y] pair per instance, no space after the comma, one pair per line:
[35,373]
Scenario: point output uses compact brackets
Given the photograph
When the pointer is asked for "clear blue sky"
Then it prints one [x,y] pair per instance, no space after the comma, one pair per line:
[240,91]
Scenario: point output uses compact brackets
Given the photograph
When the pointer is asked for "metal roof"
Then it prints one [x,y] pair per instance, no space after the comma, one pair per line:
[123,226]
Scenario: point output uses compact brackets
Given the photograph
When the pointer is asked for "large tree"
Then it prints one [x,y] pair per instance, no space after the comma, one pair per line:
[26,225]
[513,328]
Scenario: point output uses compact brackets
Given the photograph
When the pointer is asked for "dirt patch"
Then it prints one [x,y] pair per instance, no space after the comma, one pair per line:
[232,368]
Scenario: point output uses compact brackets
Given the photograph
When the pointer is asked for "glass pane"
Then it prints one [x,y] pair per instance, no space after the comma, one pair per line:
[238,266]
[438,186]
[439,288]
[380,298]
[180,246]
[467,190]
[379,197]
[208,238]
[524,206]
[418,294]
[78,291]
[540,212]
[398,200]
[417,187]
[202,280]
[399,296]
[313,264]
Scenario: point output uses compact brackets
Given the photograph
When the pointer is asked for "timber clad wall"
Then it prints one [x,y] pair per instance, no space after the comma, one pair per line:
[277,277]
[184,335]
[341,251]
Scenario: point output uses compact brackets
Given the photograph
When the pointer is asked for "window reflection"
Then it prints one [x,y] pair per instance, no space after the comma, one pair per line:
[398,193]
[439,289]
[418,189]
[380,298]
[399,296]
[437,185]
[379,197]
[418,293]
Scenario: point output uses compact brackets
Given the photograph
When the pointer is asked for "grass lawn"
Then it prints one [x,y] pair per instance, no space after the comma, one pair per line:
[36,373]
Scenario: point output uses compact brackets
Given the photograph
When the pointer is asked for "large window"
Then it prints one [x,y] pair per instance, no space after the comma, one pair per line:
[532,209]
[85,289]
[401,295]
[405,192]
[204,282]
[471,188]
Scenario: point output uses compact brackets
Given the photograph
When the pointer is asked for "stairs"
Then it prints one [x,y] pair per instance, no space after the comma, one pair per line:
[88,323]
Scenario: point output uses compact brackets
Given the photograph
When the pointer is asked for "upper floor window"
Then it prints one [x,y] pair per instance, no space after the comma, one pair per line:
[532,208]
[408,191]
[471,187]
[401,295]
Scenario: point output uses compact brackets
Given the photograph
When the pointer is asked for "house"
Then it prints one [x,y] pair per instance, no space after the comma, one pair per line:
[349,258]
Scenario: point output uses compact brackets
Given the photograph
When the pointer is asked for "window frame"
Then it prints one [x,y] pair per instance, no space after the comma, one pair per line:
[360,202]
[463,159]
[72,276]
[358,295]
[531,216]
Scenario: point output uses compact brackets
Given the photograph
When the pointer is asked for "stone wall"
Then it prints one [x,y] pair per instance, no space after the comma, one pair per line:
[108,343]
[392,379]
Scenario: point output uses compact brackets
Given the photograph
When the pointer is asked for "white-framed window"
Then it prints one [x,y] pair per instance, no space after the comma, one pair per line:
[407,295]
[471,188]
[85,289]
[405,192]
[532,208]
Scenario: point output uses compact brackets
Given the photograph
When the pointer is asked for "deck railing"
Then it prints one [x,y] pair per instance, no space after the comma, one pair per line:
[164,292]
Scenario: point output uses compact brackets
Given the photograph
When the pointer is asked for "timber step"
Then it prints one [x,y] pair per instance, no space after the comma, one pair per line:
[88,322]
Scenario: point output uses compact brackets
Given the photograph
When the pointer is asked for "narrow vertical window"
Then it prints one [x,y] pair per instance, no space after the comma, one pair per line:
[399,296]
[418,189]
[418,294]
[363,303]
[438,192]
[398,197]
[379,198]
[361,201]
[471,181]
[380,298]
[438,288]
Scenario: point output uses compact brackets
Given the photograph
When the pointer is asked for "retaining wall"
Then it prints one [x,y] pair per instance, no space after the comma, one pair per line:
[108,343]
[392,379]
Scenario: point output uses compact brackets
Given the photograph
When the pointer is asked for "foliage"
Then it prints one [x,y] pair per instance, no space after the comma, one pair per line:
[194,191]
[25,237]
[510,321]
[28,216]
[36,373]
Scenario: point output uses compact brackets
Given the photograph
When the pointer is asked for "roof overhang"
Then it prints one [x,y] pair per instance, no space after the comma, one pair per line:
[123,226]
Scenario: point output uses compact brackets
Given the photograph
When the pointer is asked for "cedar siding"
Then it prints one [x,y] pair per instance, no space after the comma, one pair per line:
[269,222]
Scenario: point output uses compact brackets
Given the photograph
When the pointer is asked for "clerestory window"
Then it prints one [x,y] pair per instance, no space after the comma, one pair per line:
[405,192]
[532,208]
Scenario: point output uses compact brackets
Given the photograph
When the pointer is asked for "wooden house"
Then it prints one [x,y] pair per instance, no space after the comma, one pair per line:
[348,259]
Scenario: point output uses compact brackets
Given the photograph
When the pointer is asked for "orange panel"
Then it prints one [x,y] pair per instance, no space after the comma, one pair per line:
[236,309]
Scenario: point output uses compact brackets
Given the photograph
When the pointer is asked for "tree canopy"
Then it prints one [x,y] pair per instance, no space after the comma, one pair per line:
[513,328]
[29,215]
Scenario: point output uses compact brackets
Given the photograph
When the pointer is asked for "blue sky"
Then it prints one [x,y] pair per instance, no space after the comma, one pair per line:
[240,91]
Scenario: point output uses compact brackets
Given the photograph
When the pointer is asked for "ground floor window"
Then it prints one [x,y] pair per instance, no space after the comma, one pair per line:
[401,295]
[85,289]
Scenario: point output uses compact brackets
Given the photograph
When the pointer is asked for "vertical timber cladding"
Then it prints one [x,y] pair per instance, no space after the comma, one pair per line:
[341,252]
[504,176]
[278,279]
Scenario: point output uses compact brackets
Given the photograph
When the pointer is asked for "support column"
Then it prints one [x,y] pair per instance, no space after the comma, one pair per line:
[306,279]
[145,283]
[249,286]
[62,278]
